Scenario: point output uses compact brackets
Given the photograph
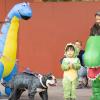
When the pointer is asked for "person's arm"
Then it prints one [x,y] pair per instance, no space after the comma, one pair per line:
[77,64]
[62,59]
[65,65]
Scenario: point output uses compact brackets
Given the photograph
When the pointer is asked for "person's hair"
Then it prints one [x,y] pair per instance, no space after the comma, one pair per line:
[79,42]
[97,13]
[71,47]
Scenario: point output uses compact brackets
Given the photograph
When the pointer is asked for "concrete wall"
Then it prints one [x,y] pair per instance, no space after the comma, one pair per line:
[42,39]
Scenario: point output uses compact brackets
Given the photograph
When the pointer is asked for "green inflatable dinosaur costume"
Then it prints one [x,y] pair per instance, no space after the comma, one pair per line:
[92,58]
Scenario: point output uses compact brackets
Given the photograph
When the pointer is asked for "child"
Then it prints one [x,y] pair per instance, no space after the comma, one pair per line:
[70,65]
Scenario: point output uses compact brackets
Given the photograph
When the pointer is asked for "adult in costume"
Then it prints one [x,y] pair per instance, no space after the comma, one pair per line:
[8,41]
[92,57]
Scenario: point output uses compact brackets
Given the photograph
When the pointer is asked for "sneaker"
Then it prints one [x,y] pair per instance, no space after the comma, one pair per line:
[72,99]
[80,86]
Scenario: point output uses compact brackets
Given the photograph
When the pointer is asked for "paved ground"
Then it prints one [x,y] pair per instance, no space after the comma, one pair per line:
[56,93]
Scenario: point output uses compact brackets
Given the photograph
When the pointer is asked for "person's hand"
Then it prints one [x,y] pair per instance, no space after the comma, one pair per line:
[71,65]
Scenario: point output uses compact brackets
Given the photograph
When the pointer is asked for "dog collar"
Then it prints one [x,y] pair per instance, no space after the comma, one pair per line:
[40,78]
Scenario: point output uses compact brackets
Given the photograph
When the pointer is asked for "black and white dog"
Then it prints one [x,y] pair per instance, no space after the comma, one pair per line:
[33,83]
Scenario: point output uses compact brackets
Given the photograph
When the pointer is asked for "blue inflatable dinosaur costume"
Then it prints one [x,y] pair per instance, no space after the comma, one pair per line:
[8,41]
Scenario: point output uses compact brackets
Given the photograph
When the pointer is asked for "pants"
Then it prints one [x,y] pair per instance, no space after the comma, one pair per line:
[82,72]
[69,88]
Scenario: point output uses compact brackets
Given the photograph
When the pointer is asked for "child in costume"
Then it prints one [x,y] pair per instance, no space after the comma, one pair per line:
[70,65]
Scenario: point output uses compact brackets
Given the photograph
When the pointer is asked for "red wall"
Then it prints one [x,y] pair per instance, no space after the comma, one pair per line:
[42,38]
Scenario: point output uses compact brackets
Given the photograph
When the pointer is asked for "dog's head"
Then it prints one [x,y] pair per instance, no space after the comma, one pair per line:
[49,80]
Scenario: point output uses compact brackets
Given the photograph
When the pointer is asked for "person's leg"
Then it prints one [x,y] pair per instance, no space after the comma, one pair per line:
[67,88]
[95,89]
[81,73]
[8,78]
[73,90]
[85,81]
[85,78]
[1,73]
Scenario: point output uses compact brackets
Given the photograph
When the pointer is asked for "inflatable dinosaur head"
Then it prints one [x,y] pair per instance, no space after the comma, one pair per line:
[21,10]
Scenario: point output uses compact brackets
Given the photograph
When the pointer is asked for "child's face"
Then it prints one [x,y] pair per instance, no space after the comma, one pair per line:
[70,53]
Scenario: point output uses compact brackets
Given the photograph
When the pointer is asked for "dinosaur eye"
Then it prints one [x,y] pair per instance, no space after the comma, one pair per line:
[24,4]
